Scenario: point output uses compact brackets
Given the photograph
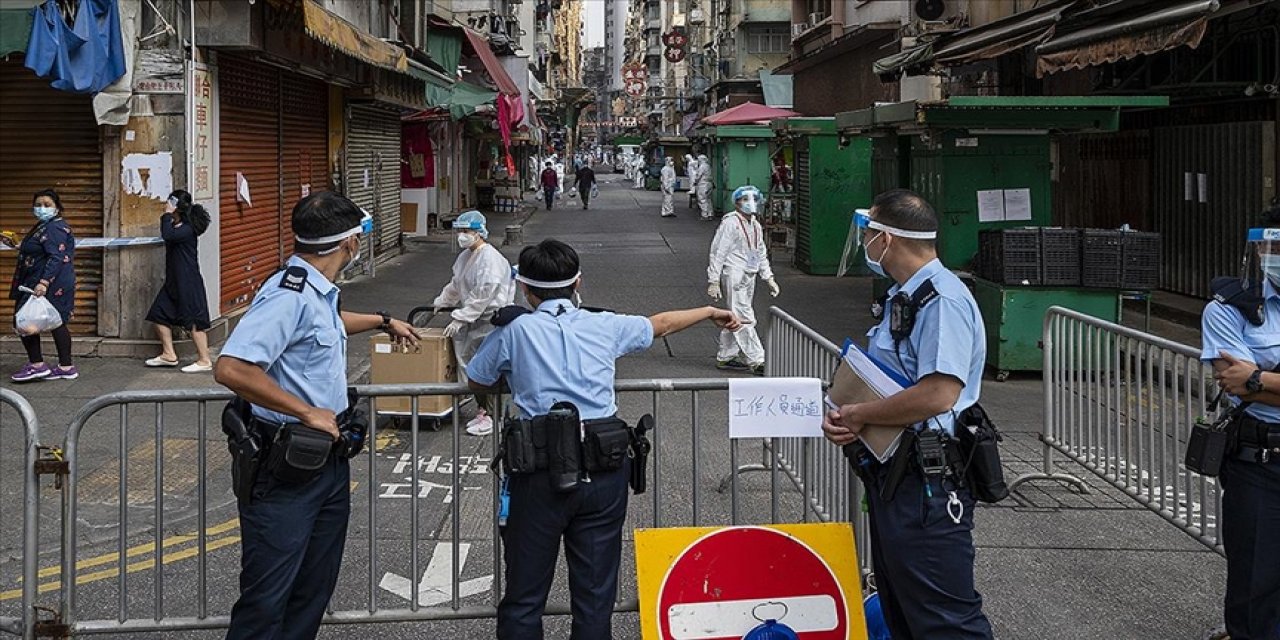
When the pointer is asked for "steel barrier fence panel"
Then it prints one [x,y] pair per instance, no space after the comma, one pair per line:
[1122,403]
[143,497]
[24,624]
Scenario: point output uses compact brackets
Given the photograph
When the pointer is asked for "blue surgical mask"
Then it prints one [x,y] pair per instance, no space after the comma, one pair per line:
[874,265]
[44,214]
[1270,264]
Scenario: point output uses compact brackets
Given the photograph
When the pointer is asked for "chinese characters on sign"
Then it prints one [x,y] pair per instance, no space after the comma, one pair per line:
[775,408]
[158,85]
[203,144]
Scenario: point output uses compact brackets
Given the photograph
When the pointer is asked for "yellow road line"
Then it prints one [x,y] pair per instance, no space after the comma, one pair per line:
[144,549]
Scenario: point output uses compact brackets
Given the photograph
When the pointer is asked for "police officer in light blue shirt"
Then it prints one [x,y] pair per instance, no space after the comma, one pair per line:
[560,353]
[1241,338]
[932,335]
[288,358]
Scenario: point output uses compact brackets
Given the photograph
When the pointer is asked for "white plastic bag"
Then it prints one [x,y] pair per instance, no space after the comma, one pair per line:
[595,191]
[37,315]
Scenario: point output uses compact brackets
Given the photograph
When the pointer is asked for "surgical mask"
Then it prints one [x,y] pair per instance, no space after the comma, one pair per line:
[355,257]
[874,265]
[44,214]
[749,205]
[1271,268]
[466,240]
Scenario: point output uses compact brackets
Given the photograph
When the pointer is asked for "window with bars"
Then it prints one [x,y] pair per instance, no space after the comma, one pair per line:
[771,39]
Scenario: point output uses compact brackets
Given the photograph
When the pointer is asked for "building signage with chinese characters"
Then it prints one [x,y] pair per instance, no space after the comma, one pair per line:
[202,146]
[158,85]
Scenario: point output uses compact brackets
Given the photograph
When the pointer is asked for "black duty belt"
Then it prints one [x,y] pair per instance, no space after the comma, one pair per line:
[1256,433]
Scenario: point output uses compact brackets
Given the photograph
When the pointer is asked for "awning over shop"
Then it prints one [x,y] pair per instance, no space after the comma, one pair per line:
[331,29]
[1002,114]
[461,100]
[747,113]
[491,65]
[980,43]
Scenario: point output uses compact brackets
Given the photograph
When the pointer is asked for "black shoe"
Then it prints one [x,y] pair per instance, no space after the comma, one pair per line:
[732,364]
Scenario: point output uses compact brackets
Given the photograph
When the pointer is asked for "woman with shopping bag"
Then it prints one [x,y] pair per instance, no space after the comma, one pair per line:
[46,269]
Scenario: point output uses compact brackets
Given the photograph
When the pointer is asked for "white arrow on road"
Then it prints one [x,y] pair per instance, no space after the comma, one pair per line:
[436,586]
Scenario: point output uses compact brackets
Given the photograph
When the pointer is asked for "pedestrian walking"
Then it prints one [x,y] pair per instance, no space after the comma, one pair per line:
[559,362]
[738,256]
[668,188]
[550,180]
[181,302]
[932,335]
[1241,329]
[481,284]
[559,166]
[46,266]
[704,187]
[640,167]
[585,183]
[691,175]
[288,359]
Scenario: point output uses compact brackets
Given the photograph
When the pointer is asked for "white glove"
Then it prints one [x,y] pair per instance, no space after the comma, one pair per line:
[713,290]
[453,328]
[774,289]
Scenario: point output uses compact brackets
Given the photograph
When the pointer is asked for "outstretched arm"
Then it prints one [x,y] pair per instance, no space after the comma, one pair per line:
[669,322]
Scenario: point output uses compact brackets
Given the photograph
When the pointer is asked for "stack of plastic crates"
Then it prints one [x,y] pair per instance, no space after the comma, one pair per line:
[1140,264]
[1060,253]
[1010,256]
[1101,256]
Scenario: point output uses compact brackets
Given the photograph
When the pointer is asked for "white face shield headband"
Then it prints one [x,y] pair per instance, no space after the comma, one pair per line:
[544,284]
[365,226]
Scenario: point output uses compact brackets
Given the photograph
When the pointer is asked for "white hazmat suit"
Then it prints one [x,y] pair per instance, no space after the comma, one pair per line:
[738,256]
[669,189]
[638,177]
[703,186]
[559,167]
[691,178]
[481,285]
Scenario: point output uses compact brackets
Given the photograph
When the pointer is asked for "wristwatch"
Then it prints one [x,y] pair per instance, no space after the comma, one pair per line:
[1254,383]
[386,320]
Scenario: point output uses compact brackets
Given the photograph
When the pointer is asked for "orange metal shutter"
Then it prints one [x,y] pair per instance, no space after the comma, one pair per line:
[249,141]
[49,139]
[305,143]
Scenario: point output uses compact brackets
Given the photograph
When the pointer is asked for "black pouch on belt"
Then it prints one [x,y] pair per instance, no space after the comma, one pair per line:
[606,445]
[978,462]
[640,448]
[245,446]
[563,427]
[1210,443]
[298,453]
[519,455]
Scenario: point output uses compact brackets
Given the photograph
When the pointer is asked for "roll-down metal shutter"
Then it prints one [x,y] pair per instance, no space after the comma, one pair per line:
[804,217]
[373,170]
[304,159]
[50,140]
[249,140]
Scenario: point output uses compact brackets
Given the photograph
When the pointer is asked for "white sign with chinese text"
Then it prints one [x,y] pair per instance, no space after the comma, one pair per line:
[775,408]
[202,145]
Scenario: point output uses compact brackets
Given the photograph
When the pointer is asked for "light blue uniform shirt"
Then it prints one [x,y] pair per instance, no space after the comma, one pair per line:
[1224,328]
[948,338]
[298,338]
[560,353]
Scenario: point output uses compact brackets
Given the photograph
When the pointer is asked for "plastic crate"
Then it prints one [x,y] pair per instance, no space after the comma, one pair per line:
[1140,264]
[1060,257]
[1010,256]
[1101,252]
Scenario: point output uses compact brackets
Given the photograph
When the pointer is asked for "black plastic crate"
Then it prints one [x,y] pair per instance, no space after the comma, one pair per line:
[1060,257]
[1140,263]
[1010,256]
[1101,258]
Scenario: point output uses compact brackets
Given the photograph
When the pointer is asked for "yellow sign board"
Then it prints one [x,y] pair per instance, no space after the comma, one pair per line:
[714,583]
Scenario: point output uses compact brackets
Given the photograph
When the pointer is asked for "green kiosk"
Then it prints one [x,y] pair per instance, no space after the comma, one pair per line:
[739,155]
[830,180]
[986,162]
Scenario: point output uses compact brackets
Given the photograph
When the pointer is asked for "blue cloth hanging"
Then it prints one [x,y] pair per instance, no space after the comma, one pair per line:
[85,58]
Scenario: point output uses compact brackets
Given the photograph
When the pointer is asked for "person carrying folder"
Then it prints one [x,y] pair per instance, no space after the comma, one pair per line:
[931,333]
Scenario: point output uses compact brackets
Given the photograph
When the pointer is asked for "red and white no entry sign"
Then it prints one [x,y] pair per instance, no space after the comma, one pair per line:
[724,582]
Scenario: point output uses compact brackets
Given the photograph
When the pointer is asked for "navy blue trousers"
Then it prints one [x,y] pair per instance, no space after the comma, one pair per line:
[923,560]
[590,520]
[1251,537]
[293,537]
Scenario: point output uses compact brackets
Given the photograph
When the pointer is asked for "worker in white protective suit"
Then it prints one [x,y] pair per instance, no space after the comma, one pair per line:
[482,283]
[738,256]
[669,188]
[559,166]
[638,176]
[704,188]
[691,175]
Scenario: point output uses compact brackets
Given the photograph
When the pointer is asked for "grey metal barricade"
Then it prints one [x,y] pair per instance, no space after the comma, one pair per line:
[113,421]
[25,624]
[1122,403]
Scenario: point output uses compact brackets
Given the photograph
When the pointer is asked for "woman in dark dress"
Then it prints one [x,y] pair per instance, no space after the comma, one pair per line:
[181,302]
[46,265]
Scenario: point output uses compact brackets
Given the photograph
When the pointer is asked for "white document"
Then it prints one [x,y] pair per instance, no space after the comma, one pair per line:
[242,189]
[775,408]
[991,206]
[1017,204]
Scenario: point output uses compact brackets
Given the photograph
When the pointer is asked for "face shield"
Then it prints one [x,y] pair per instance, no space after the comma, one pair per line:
[862,226]
[1262,257]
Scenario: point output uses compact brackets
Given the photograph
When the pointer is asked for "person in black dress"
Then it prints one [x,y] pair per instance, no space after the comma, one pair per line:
[181,302]
[46,265]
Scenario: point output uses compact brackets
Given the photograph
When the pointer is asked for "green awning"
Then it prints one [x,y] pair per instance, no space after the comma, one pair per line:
[904,59]
[444,45]
[15,28]
[462,99]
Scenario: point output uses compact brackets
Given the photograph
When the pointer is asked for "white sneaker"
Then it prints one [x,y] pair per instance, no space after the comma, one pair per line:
[196,367]
[481,425]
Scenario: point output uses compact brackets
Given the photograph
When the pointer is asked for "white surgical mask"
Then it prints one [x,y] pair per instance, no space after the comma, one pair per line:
[466,240]
[355,257]
[749,205]
[1271,268]
[44,214]
[874,265]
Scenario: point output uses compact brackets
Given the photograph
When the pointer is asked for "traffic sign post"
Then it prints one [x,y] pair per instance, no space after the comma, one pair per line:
[719,583]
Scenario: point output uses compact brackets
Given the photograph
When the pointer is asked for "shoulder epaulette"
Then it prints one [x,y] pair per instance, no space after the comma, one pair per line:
[506,315]
[597,309]
[294,279]
[1234,292]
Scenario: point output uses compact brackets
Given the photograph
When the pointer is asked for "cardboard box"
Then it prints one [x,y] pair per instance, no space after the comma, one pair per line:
[409,217]
[430,361]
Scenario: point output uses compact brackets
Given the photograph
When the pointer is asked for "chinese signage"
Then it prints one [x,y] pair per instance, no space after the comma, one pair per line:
[158,85]
[202,146]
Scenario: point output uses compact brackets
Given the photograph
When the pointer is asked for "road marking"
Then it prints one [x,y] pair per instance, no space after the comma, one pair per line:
[436,586]
[386,438]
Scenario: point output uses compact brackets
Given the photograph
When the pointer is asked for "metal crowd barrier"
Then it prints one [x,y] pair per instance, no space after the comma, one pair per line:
[676,497]
[25,624]
[1122,403]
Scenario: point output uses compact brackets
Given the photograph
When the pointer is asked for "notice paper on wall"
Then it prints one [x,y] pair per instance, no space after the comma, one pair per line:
[242,189]
[775,408]
[1004,205]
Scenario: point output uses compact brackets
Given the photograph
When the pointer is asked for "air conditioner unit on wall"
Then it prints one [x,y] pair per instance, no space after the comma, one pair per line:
[798,29]
[816,17]
[931,16]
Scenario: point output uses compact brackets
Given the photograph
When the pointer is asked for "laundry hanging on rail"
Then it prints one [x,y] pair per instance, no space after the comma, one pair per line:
[83,58]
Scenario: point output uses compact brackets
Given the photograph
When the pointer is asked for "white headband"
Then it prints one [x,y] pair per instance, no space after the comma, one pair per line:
[903,233]
[333,238]
[541,284]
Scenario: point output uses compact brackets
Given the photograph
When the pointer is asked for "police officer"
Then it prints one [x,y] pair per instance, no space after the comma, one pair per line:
[562,353]
[288,358]
[921,519]
[1241,332]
